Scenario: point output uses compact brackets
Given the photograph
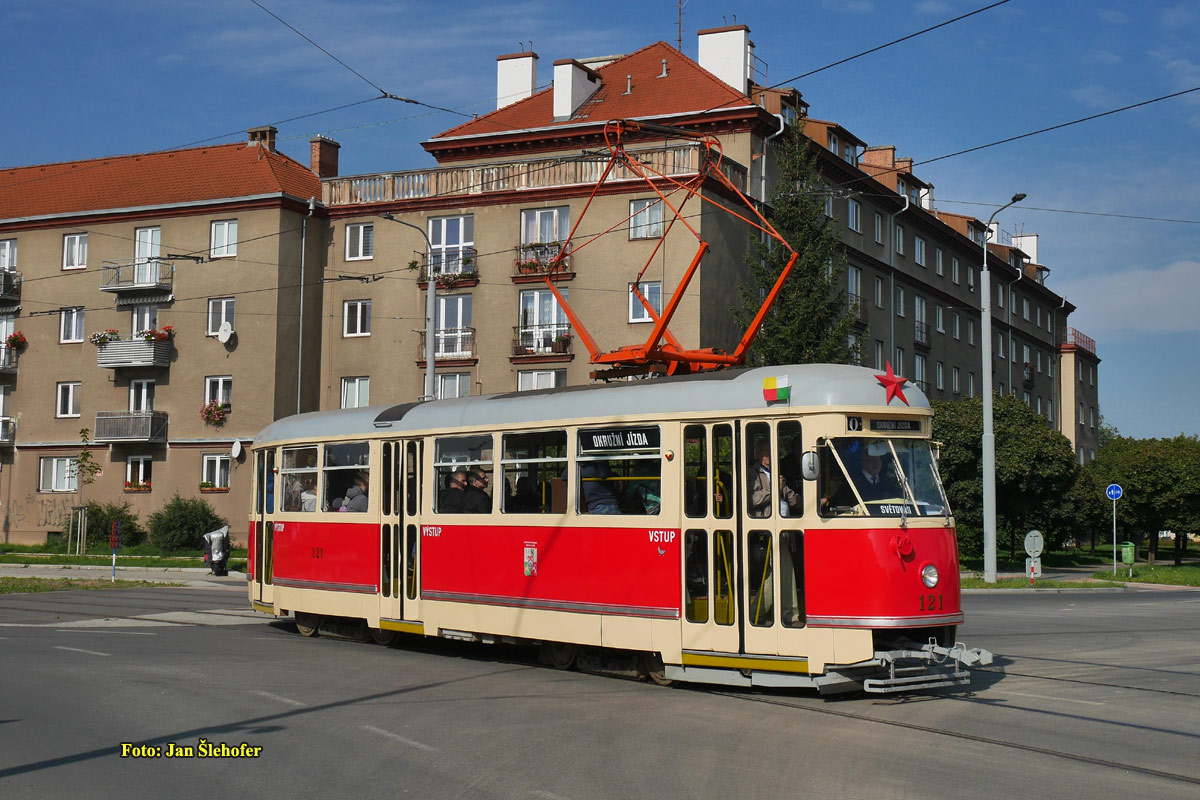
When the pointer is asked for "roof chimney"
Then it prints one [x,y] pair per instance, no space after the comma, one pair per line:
[323,156]
[725,52]
[263,136]
[573,83]
[516,77]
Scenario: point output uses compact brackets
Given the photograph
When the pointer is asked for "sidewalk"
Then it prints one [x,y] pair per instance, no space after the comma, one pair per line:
[194,577]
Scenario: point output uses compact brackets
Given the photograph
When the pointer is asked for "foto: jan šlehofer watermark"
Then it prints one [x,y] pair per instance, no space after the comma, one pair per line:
[202,749]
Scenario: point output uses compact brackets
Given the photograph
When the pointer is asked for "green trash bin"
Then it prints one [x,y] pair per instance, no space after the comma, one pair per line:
[1128,552]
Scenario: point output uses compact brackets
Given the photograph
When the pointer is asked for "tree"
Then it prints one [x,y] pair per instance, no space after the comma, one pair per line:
[182,523]
[1035,467]
[809,321]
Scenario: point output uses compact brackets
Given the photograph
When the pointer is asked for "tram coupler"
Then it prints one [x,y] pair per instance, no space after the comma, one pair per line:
[935,666]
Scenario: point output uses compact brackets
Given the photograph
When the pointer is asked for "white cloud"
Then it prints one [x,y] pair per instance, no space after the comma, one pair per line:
[1093,96]
[1137,301]
[1113,17]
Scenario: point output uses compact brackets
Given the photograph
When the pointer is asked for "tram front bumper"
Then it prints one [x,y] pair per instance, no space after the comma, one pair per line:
[927,666]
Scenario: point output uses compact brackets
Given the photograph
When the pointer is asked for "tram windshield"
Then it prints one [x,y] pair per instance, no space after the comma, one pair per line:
[880,478]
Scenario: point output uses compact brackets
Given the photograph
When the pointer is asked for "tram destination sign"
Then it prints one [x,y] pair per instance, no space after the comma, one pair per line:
[607,440]
[896,425]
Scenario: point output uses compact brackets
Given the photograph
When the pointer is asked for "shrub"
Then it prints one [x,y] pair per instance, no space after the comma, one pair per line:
[182,523]
[100,517]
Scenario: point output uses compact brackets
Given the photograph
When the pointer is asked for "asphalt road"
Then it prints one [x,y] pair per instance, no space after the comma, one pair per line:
[1094,694]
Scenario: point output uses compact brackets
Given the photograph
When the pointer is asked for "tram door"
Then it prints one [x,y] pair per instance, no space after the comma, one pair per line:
[709,540]
[771,587]
[399,531]
[262,543]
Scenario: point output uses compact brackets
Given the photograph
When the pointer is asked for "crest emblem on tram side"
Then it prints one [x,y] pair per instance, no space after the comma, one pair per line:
[893,384]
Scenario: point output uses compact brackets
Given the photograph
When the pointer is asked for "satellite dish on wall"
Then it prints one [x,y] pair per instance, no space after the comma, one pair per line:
[224,333]
[236,450]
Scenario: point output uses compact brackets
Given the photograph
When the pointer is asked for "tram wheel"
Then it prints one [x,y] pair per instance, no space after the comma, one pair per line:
[307,624]
[652,665]
[380,636]
[559,655]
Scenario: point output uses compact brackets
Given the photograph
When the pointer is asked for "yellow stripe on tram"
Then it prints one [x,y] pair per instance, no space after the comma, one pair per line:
[745,662]
[403,627]
[263,607]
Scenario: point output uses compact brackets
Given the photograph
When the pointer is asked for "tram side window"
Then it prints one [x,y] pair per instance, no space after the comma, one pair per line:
[695,547]
[790,447]
[298,474]
[346,476]
[463,472]
[723,606]
[532,462]
[620,471]
[761,583]
[722,471]
[791,578]
[695,473]
[760,471]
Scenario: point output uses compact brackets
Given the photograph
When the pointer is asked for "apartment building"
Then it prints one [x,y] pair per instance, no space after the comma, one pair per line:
[147,288]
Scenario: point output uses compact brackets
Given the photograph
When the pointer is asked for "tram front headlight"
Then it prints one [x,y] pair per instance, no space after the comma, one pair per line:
[929,575]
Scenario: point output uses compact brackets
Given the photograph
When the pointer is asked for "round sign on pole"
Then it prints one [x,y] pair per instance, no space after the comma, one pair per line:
[1114,491]
[1033,544]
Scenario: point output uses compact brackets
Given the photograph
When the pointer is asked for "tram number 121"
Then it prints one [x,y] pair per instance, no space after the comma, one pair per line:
[318,552]
[931,602]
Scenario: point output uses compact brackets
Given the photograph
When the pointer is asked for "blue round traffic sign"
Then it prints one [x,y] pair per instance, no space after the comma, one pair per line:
[1114,491]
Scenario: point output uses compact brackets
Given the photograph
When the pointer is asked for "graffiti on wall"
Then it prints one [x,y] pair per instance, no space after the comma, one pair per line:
[38,511]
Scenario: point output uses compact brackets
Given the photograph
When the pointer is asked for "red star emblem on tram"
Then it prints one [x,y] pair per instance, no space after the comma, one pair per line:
[893,384]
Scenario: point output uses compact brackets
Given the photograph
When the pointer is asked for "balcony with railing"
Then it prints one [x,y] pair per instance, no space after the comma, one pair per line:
[131,426]
[134,352]
[1027,374]
[450,344]
[533,262]
[1071,338]
[921,334]
[450,269]
[8,431]
[542,342]
[8,360]
[137,275]
[10,287]
[516,176]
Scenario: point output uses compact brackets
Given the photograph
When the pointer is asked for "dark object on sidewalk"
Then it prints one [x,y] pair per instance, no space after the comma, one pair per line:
[216,550]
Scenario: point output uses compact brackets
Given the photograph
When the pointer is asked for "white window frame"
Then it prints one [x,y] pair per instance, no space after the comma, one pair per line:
[900,301]
[8,254]
[143,318]
[75,251]
[878,354]
[61,472]
[900,240]
[141,395]
[854,215]
[971,332]
[970,384]
[70,325]
[356,318]
[645,218]
[147,246]
[954,270]
[940,319]
[214,469]
[829,205]
[356,392]
[999,292]
[452,242]
[898,362]
[223,240]
[537,221]
[652,291]
[970,278]
[937,261]
[67,396]
[939,374]
[1025,308]
[360,241]
[455,380]
[457,340]
[919,251]
[878,228]
[954,380]
[219,388]
[139,469]
[878,292]
[220,310]
[534,379]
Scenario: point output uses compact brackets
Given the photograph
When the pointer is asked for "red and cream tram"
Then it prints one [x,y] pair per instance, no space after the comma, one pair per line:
[780,526]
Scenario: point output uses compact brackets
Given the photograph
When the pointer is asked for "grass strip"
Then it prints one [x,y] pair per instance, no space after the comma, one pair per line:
[29,585]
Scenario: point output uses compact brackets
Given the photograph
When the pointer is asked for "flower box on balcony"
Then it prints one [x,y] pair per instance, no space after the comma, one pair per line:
[214,490]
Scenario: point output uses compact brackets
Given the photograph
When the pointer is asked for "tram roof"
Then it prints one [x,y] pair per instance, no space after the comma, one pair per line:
[810,385]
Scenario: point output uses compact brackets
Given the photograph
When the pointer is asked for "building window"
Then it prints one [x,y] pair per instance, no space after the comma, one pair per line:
[878,354]
[1091,374]
[216,470]
[224,239]
[1038,358]
[878,292]
[220,310]
[938,370]
[900,301]
[529,380]
[999,292]
[970,278]
[75,251]
[1039,404]
[1000,345]
[899,365]
[143,318]
[545,227]
[854,288]
[919,251]
[8,254]
[452,243]
[919,370]
[455,338]
[900,240]
[1050,409]
[360,241]
[1024,354]
[542,320]
[645,219]
[954,270]
[1025,396]
[954,379]
[829,205]
[137,472]
[878,228]
[57,475]
[356,318]
[937,261]
[1025,308]
[971,332]
[219,389]
[1001,388]
[1082,418]
[854,216]
[833,142]
[455,384]
[356,392]
[68,399]
[941,323]
[146,246]
[652,291]
[1092,410]
[970,384]
[70,325]
[1050,365]
[1038,314]
[141,395]
[850,155]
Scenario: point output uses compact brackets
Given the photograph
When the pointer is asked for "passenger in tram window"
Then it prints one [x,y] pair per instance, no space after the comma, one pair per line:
[598,494]
[452,497]
[308,496]
[760,485]
[524,499]
[645,495]
[356,496]
[477,500]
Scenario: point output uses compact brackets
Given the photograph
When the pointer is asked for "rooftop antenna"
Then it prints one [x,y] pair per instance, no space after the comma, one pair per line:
[679,4]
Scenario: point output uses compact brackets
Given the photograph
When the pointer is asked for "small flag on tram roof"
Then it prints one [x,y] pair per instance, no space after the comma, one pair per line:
[776,389]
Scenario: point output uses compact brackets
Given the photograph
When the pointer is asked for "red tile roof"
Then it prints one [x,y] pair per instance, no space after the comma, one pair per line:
[688,88]
[149,179]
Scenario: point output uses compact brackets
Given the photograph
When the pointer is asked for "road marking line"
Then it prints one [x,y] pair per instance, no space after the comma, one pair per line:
[398,738]
[1060,699]
[270,696]
[107,633]
[77,650]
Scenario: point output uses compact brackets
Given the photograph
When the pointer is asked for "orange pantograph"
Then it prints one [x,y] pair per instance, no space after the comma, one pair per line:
[662,351]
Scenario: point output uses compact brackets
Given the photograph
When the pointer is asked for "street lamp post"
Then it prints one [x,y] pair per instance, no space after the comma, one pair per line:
[989,437]
[430,308]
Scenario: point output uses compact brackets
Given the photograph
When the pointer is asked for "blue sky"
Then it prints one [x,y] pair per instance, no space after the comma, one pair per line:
[87,79]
